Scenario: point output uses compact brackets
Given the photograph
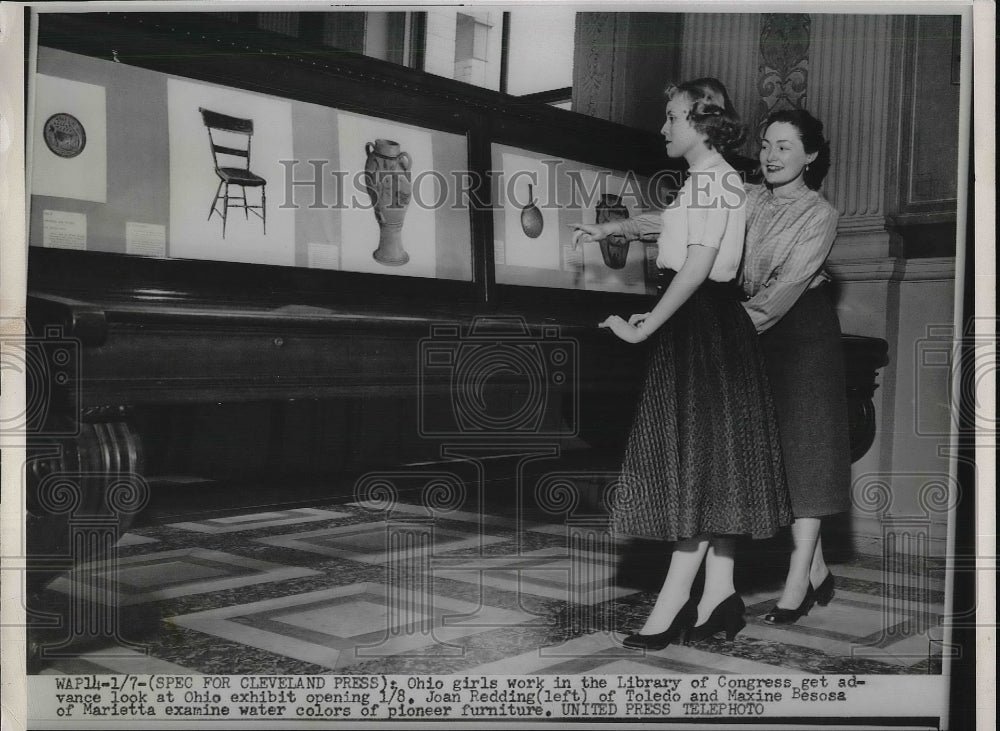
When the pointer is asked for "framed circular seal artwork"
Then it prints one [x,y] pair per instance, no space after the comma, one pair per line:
[64,135]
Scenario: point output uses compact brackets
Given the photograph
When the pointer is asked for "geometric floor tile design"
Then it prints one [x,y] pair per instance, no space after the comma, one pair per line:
[853,625]
[131,539]
[120,661]
[501,521]
[602,653]
[376,543]
[429,591]
[339,627]
[934,581]
[400,509]
[171,574]
[269,519]
[583,578]
[860,625]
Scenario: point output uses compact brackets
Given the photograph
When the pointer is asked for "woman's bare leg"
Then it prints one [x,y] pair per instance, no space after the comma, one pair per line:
[818,570]
[719,565]
[684,565]
[805,534]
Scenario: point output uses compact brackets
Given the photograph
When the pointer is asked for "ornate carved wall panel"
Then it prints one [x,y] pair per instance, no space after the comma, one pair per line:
[784,64]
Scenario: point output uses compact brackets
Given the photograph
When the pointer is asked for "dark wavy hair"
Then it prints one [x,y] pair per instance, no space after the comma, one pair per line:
[810,132]
[712,113]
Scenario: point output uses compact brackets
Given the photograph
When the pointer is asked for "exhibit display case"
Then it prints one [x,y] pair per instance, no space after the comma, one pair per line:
[222,216]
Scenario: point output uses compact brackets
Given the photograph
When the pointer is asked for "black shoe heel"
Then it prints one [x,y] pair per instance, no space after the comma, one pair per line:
[824,592]
[733,627]
[727,616]
[684,619]
[780,615]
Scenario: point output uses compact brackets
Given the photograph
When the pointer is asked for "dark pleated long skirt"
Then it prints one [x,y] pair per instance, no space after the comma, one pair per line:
[703,455]
[805,365]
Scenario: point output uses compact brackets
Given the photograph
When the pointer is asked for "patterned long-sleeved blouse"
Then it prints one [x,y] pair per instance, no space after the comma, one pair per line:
[789,237]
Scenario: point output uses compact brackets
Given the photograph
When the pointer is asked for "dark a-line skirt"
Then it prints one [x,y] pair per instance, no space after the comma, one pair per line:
[805,365]
[703,454]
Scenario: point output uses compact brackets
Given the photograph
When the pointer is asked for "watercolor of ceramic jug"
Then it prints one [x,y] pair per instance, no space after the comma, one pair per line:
[387,179]
[614,248]
[531,217]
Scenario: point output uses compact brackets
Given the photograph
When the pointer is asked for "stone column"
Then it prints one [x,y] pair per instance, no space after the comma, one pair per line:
[849,90]
[727,47]
[851,59]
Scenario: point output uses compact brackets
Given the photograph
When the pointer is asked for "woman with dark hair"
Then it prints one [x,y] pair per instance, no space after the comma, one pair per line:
[703,459]
[790,231]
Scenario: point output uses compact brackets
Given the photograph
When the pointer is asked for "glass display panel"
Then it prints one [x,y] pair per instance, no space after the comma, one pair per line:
[134,161]
[539,196]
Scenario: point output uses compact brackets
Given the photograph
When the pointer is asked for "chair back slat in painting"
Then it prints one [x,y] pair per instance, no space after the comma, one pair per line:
[231,151]
[215,120]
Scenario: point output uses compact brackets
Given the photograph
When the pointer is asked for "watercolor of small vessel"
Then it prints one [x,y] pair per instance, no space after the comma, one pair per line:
[531,218]
[614,248]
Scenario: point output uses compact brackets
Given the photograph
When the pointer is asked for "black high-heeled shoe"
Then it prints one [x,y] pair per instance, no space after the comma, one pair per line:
[727,615]
[824,592]
[780,615]
[687,616]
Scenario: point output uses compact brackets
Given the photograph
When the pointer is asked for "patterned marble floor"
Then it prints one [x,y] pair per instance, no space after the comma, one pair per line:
[359,588]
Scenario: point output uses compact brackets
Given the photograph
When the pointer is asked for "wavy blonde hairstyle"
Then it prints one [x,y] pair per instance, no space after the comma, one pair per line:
[712,113]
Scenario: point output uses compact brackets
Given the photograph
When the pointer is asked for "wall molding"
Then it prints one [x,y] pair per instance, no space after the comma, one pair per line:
[930,269]
[863,270]
[892,269]
[863,244]
[855,224]
[867,536]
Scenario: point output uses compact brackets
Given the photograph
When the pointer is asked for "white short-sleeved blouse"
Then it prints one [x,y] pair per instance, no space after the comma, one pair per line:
[709,210]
